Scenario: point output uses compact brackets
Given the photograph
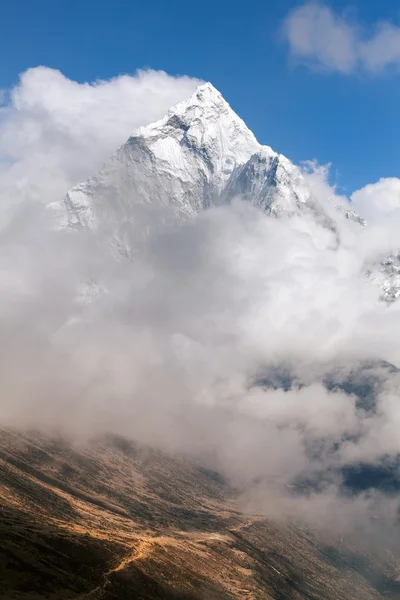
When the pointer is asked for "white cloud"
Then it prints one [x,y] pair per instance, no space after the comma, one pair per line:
[382,49]
[170,353]
[322,38]
[377,200]
[56,132]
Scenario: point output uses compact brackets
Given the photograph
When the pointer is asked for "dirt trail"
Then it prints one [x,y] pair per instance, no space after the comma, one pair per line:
[141,551]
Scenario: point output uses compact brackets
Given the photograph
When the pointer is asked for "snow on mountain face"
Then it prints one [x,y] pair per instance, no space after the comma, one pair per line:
[206,126]
[200,154]
[271,182]
[183,160]
[386,275]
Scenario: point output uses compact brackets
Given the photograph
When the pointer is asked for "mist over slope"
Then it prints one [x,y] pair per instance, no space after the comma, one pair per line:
[111,519]
[203,295]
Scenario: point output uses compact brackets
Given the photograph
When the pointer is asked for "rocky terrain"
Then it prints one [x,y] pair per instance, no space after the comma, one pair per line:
[110,520]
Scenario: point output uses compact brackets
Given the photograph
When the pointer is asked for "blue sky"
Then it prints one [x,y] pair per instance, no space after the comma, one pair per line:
[349,117]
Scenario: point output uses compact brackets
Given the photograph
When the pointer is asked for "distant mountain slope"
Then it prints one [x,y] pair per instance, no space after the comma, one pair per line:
[114,520]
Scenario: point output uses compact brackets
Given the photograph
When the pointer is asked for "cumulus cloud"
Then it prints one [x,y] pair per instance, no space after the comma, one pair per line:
[380,204]
[227,338]
[378,200]
[55,132]
[185,349]
[325,39]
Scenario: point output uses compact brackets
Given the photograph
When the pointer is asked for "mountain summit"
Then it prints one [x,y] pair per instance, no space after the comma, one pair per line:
[200,154]
[205,124]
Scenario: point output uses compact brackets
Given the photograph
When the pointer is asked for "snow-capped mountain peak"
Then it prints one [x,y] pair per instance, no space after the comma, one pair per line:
[207,123]
[200,154]
[183,160]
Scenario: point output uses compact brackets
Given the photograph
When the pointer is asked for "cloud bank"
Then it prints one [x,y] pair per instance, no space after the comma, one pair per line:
[325,39]
[229,338]
[55,132]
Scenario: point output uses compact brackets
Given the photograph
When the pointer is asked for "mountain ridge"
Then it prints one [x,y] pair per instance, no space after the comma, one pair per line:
[192,158]
[200,154]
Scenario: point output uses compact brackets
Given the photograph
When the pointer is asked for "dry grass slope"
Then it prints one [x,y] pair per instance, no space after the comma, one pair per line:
[111,520]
